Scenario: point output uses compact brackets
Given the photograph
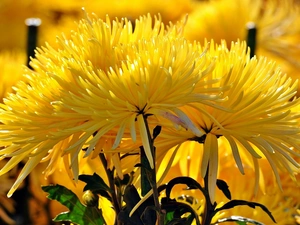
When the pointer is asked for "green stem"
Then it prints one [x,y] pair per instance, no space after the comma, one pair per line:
[251,38]
[111,180]
[32,36]
[145,169]
[150,174]
[209,210]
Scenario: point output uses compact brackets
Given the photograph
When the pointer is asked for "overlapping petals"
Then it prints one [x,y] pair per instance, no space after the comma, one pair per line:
[105,83]
[258,121]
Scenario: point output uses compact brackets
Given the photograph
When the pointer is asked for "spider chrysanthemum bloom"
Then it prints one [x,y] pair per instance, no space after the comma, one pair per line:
[258,117]
[276,22]
[103,83]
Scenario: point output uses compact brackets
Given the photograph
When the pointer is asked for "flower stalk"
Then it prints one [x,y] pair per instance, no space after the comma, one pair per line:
[145,172]
[32,36]
[209,210]
[148,174]
[251,38]
[110,176]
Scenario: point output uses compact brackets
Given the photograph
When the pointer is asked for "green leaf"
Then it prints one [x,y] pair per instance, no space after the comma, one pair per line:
[241,223]
[78,214]
[178,221]
[156,132]
[190,182]
[96,184]
[143,213]
[234,203]
[178,210]
[126,180]
[169,216]
[222,185]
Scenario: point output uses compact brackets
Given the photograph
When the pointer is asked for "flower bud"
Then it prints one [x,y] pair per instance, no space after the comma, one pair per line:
[90,199]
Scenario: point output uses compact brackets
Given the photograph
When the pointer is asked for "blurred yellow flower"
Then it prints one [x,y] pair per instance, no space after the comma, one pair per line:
[276,23]
[58,16]
[297,216]
[11,70]
[170,10]
[103,83]
[13,15]
[258,117]
[282,204]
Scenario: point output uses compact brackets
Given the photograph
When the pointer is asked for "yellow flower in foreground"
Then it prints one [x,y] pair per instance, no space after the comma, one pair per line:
[102,83]
[276,23]
[258,118]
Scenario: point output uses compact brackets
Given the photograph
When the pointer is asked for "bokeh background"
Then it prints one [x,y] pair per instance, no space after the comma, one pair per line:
[278,37]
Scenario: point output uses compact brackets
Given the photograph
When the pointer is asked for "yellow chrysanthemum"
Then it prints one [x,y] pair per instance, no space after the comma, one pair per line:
[55,15]
[276,23]
[282,204]
[11,70]
[103,83]
[297,217]
[258,117]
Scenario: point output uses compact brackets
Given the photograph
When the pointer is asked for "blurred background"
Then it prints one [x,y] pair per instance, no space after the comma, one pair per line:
[278,36]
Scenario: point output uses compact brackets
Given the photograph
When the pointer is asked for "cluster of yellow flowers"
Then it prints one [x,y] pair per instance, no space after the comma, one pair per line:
[102,86]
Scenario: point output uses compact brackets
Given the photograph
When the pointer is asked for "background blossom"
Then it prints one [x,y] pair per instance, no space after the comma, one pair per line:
[11,70]
[31,112]
[282,204]
[275,21]
[60,16]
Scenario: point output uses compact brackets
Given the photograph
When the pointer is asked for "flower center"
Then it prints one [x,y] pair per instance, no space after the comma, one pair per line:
[203,137]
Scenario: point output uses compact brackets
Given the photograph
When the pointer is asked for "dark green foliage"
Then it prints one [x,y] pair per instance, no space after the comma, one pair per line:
[190,182]
[234,203]
[171,212]
[222,185]
[144,215]
[156,132]
[78,213]
[96,184]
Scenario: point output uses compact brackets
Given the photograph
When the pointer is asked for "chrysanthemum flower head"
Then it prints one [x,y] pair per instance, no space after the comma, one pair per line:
[258,117]
[104,82]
